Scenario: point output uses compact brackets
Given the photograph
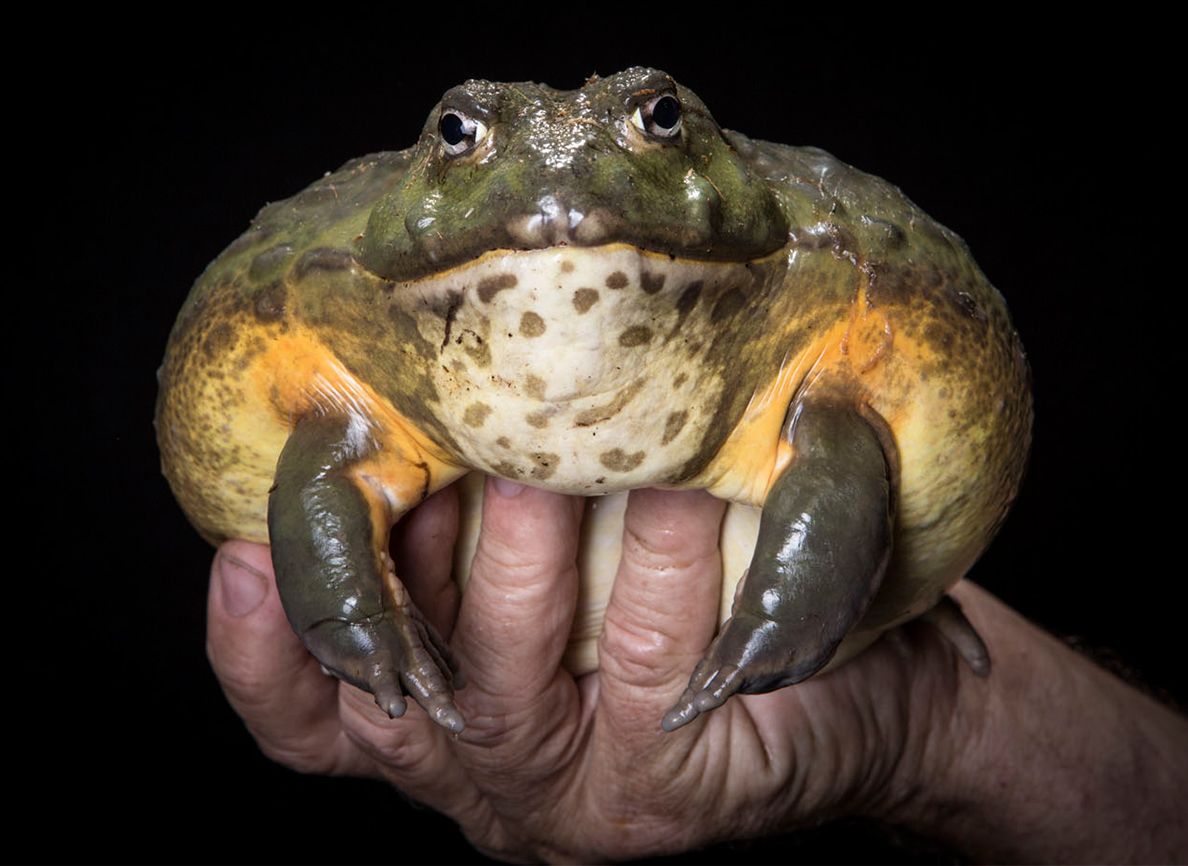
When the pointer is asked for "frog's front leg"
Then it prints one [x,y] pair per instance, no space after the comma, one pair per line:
[824,542]
[329,524]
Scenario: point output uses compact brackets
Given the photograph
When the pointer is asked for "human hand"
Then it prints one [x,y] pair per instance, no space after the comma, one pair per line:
[553,768]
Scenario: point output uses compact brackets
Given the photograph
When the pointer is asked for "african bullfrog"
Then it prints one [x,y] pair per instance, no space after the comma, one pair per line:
[592,291]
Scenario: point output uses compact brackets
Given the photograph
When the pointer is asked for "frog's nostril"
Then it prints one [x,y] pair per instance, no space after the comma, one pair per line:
[547,226]
[552,223]
[593,228]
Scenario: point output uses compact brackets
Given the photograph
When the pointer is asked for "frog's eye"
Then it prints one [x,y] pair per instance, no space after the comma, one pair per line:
[459,132]
[659,116]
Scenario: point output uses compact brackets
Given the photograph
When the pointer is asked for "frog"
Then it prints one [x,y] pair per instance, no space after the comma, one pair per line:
[592,291]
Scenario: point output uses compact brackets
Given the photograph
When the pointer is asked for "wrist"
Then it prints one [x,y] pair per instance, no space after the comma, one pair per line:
[1048,758]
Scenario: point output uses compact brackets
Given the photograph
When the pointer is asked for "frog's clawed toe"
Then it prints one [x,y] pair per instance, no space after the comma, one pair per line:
[948,618]
[426,670]
[750,655]
[392,657]
[708,689]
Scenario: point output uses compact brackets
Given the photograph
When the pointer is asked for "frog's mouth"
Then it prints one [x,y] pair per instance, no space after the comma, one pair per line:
[405,241]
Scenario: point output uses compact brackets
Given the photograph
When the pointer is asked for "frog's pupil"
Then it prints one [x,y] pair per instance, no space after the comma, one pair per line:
[666,113]
[451,128]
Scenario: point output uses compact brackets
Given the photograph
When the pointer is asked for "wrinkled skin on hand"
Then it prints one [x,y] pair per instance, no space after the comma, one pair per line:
[549,767]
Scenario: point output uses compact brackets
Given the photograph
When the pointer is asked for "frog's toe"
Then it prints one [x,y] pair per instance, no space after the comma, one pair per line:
[423,667]
[430,673]
[750,655]
[949,619]
[394,656]
[708,689]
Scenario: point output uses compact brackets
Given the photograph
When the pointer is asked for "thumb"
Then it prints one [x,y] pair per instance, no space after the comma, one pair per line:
[275,686]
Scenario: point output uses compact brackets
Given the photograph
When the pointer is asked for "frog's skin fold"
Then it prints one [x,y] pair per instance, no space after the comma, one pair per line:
[579,302]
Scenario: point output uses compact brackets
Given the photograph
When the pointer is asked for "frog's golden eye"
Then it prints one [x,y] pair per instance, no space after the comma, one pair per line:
[660,116]
[460,132]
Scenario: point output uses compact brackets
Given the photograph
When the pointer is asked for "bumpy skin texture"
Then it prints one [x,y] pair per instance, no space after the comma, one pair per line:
[581,303]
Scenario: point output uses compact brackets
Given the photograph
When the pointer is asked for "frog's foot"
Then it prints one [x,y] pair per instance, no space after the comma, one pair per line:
[750,655]
[949,619]
[328,525]
[392,655]
[824,543]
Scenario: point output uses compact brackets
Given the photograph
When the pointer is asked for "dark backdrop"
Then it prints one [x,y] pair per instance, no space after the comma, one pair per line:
[1031,145]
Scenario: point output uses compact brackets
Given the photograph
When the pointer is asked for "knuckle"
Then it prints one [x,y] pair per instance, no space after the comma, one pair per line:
[636,651]
[516,569]
[395,744]
[498,741]
[664,549]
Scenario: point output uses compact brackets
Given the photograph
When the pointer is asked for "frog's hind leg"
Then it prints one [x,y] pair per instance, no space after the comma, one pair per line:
[824,543]
[949,619]
[329,531]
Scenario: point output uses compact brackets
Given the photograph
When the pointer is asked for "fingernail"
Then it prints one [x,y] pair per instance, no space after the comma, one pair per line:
[243,587]
[508,489]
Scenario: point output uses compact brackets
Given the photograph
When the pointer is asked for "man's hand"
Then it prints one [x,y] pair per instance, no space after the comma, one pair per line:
[553,768]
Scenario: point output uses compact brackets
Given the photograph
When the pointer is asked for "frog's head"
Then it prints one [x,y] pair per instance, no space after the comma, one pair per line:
[634,158]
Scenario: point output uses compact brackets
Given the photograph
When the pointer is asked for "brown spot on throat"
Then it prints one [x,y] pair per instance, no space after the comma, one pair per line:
[546,465]
[651,283]
[584,299]
[508,469]
[534,386]
[620,461]
[531,324]
[617,280]
[489,287]
[636,335]
[476,414]
[673,426]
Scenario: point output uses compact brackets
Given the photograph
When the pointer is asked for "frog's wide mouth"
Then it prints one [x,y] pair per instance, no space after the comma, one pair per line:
[618,272]
[408,245]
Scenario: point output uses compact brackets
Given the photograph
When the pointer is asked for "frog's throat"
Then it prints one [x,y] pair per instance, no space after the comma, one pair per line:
[587,369]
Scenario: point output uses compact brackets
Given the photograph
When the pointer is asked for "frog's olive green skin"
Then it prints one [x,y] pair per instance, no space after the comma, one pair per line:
[585,298]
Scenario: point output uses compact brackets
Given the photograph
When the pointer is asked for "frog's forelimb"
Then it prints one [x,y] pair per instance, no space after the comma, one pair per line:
[824,543]
[329,531]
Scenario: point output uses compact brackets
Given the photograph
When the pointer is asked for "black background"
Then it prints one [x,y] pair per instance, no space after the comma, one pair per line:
[1032,145]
